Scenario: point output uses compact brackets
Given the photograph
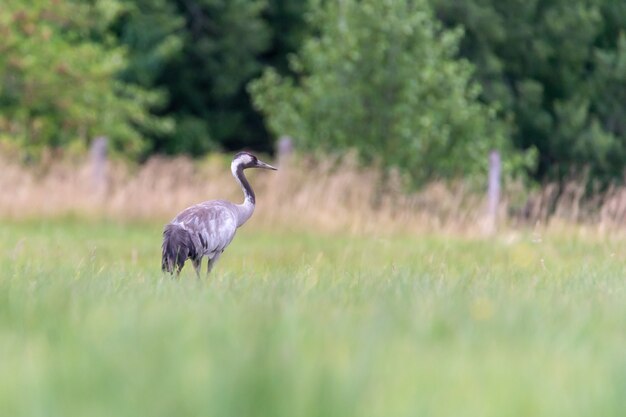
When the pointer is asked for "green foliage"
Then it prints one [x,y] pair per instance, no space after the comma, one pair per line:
[286,19]
[58,84]
[202,53]
[382,77]
[557,68]
[548,77]
[310,325]
[151,31]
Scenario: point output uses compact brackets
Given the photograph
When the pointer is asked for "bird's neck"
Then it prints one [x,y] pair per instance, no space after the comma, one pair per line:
[247,208]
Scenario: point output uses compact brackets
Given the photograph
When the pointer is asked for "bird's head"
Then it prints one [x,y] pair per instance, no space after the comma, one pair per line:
[245,160]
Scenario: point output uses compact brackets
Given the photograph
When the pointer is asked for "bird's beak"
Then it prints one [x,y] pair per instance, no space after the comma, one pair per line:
[261,164]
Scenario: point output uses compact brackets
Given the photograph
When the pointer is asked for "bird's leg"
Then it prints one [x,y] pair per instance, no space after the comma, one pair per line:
[211,263]
[176,274]
[197,264]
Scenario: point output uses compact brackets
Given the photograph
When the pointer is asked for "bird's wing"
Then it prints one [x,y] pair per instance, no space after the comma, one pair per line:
[212,225]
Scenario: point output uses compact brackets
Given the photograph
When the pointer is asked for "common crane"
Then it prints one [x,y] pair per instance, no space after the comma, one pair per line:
[207,228]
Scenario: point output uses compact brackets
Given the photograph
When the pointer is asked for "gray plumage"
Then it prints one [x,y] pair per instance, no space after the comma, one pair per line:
[206,229]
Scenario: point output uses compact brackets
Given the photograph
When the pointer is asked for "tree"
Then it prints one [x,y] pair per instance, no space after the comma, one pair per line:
[58,84]
[200,54]
[556,68]
[206,80]
[152,33]
[288,27]
[381,77]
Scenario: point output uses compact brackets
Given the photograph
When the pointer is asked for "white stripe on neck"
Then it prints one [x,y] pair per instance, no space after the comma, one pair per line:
[239,161]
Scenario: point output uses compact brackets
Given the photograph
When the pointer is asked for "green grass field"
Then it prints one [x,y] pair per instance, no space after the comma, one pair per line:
[298,324]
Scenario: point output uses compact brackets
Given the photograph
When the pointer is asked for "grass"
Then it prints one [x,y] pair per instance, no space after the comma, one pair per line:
[310,324]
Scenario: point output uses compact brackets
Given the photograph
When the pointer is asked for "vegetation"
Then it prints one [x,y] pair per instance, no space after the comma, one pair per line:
[427,92]
[58,80]
[558,69]
[337,299]
[201,53]
[309,324]
[382,78]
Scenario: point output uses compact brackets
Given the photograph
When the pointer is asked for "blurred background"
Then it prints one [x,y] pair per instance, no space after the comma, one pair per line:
[444,235]
[395,106]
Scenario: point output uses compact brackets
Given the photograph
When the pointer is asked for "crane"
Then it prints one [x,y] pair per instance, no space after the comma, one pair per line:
[207,228]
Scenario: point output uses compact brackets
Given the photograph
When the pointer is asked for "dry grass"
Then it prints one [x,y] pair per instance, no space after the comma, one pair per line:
[326,196]
[571,204]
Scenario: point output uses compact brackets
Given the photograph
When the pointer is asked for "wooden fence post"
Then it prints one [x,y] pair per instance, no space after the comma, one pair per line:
[98,159]
[285,149]
[493,191]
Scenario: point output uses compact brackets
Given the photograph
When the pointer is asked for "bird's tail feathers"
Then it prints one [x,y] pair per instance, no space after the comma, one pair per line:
[177,247]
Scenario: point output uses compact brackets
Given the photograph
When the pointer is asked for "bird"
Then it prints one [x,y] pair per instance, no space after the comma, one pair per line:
[207,228]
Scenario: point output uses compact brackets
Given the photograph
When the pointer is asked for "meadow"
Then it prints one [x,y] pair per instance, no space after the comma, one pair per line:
[299,323]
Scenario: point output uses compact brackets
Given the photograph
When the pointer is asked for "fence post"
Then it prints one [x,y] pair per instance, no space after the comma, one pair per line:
[285,149]
[493,191]
[98,159]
